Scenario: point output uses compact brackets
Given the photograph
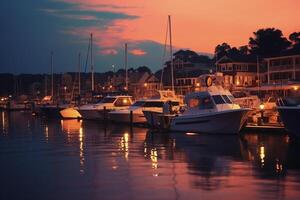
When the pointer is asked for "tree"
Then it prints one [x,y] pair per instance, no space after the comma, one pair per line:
[222,50]
[268,42]
[143,69]
[244,50]
[295,39]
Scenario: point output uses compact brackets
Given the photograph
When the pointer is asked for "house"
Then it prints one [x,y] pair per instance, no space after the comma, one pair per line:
[238,70]
[282,69]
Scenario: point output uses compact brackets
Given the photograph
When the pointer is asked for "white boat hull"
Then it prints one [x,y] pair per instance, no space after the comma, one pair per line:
[70,113]
[226,122]
[92,114]
[137,118]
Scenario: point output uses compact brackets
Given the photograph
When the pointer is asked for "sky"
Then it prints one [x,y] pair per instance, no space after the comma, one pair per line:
[31,29]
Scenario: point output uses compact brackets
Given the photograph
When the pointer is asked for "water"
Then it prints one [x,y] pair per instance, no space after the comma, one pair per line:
[72,159]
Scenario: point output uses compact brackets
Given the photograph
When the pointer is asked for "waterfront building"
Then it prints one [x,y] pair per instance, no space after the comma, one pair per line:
[239,71]
[282,69]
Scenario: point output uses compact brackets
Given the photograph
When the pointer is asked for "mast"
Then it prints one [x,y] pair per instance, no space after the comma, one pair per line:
[79,75]
[126,72]
[52,77]
[92,65]
[171,53]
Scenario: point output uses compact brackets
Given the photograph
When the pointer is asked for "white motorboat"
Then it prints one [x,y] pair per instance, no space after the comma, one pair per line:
[70,113]
[210,111]
[289,111]
[109,103]
[154,104]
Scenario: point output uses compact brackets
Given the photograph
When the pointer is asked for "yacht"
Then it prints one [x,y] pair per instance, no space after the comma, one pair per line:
[289,111]
[108,103]
[210,111]
[154,104]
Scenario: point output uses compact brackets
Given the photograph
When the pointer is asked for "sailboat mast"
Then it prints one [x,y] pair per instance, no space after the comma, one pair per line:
[92,64]
[79,75]
[126,70]
[52,77]
[171,53]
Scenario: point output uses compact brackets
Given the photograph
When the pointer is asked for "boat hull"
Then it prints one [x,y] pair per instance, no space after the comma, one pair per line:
[226,122]
[152,118]
[51,111]
[70,113]
[290,117]
[137,118]
[92,114]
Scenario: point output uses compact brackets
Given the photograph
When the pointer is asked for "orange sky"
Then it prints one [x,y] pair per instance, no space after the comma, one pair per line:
[197,24]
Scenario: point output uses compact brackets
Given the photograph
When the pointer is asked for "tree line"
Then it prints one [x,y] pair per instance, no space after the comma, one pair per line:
[266,42]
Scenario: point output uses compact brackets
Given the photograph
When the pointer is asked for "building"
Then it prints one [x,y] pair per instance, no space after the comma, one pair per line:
[238,71]
[282,69]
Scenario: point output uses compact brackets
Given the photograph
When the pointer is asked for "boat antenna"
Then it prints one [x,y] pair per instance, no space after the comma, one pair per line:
[126,70]
[52,77]
[92,64]
[87,56]
[79,74]
[171,52]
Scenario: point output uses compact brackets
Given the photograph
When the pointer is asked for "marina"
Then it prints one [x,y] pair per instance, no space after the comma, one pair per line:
[154,100]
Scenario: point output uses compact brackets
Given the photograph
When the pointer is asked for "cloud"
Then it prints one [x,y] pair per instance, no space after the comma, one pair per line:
[138,52]
[108,52]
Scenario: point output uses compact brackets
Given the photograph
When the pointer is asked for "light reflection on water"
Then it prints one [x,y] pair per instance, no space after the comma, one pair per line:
[75,159]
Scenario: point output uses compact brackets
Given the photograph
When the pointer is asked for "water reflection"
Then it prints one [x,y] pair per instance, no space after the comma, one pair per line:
[96,160]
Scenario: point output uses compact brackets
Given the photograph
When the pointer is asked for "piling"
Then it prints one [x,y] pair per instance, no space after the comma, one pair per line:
[131,118]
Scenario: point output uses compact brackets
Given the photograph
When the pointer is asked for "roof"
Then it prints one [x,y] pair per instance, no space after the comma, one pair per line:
[238,58]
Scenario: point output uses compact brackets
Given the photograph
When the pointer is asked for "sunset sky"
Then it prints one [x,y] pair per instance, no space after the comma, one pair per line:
[31,29]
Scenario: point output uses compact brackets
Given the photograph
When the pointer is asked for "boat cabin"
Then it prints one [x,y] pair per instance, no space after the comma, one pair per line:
[117,101]
[214,99]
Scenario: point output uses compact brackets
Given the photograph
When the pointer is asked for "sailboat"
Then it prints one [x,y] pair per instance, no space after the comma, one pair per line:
[72,111]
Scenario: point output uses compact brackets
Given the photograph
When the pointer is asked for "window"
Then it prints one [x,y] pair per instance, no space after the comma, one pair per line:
[194,102]
[206,103]
[227,99]
[108,100]
[175,103]
[153,104]
[139,103]
[123,101]
[218,99]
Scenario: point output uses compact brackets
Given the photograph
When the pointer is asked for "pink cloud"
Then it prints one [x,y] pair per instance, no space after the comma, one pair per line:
[137,52]
[108,52]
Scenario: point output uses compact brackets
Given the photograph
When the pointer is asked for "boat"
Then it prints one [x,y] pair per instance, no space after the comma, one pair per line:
[289,111]
[135,113]
[210,111]
[70,113]
[108,103]
[52,111]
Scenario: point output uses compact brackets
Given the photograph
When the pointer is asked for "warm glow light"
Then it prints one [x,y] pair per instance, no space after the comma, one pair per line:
[125,100]
[295,88]
[125,88]
[262,106]
[262,155]
[191,133]
[153,157]
[110,86]
[103,88]
[145,84]
[197,84]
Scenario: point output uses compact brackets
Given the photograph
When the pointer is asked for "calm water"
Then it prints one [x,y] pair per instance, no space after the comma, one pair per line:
[73,159]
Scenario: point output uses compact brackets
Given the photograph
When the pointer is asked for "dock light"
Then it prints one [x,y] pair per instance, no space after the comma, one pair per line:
[262,106]
[103,88]
[145,84]
[198,84]
[2,99]
[295,88]
[191,133]
[110,86]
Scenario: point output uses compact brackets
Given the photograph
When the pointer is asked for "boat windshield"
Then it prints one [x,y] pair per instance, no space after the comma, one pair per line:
[139,103]
[108,100]
[153,104]
[218,99]
[227,99]
[201,103]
